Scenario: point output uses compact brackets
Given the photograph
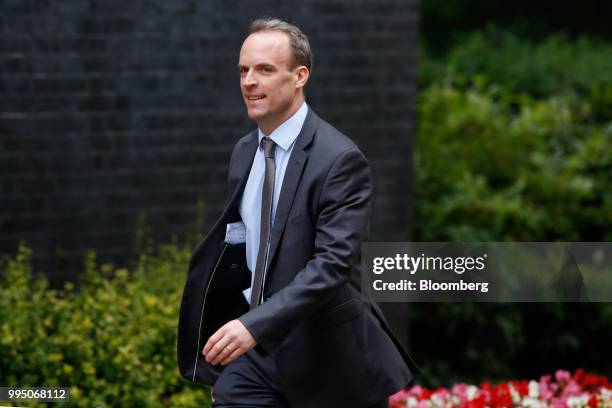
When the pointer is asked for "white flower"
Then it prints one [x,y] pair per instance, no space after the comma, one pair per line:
[530,402]
[437,401]
[472,390]
[516,397]
[411,402]
[578,402]
[534,389]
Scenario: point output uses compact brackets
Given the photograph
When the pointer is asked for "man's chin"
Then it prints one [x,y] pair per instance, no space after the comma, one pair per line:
[254,114]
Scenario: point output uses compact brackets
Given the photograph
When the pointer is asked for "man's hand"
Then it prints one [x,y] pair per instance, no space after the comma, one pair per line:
[228,343]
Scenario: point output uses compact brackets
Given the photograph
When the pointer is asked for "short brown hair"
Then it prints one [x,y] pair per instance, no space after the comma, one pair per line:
[298,41]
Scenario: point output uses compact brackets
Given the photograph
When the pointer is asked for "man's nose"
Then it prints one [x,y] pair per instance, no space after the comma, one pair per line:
[249,79]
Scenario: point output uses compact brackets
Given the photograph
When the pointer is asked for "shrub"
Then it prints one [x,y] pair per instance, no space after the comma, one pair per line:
[112,340]
[523,68]
[514,143]
[484,172]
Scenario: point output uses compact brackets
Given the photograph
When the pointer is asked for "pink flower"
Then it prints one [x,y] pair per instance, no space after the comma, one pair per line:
[562,376]
[547,390]
[398,399]
[416,391]
[461,391]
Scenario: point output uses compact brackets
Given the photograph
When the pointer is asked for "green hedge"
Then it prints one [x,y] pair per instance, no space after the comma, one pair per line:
[486,170]
[514,143]
[485,173]
[521,69]
[112,340]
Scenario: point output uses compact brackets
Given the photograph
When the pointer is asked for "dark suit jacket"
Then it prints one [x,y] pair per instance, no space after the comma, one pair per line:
[332,345]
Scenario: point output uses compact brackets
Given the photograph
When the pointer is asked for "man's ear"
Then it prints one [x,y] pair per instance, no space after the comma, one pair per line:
[302,76]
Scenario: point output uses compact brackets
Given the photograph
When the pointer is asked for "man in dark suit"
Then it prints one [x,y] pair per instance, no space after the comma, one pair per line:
[273,313]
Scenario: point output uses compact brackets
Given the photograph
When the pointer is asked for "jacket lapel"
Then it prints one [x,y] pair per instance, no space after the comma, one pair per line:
[293,174]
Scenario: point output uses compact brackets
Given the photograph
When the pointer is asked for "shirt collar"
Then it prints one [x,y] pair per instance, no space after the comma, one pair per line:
[285,135]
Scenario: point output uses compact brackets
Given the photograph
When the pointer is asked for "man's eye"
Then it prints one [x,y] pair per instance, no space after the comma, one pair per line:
[267,69]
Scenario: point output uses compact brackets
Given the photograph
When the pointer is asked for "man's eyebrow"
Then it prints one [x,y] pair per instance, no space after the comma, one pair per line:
[263,64]
[266,65]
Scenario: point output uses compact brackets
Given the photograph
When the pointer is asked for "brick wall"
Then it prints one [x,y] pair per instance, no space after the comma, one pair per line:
[110,110]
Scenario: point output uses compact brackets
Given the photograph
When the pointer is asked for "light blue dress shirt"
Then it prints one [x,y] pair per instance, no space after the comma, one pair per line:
[250,207]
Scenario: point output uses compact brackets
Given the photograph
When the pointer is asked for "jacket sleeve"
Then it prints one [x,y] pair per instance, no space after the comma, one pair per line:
[341,226]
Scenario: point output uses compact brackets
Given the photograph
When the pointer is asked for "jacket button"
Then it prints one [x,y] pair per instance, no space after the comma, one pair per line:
[233,267]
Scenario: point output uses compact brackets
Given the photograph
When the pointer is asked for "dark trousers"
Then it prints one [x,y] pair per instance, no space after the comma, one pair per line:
[251,381]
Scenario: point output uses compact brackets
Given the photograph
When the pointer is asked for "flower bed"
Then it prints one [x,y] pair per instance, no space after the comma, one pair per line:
[563,390]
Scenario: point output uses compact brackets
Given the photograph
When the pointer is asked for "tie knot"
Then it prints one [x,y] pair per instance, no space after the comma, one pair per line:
[268,147]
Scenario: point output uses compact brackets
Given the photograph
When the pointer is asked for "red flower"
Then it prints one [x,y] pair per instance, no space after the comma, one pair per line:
[501,397]
[590,382]
[578,374]
[478,402]
[522,387]
[595,381]
[426,394]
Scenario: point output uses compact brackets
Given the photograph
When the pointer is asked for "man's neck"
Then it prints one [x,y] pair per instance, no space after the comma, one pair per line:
[269,128]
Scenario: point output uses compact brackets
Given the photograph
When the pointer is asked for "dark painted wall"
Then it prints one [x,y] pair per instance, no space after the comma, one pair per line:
[110,109]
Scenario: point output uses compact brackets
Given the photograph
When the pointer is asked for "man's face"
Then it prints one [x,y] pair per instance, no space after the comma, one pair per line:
[271,90]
